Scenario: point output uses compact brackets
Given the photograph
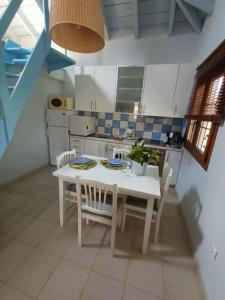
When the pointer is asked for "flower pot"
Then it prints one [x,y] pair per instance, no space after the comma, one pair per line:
[138,169]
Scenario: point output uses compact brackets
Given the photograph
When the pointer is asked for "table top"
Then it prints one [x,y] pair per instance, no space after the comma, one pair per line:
[146,186]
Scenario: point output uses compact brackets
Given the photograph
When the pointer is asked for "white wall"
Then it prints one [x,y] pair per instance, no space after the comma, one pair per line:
[69,86]
[203,193]
[157,48]
[29,147]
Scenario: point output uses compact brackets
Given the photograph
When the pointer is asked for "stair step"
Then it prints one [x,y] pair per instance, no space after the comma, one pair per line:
[11,88]
[13,75]
[20,61]
[8,63]
[19,51]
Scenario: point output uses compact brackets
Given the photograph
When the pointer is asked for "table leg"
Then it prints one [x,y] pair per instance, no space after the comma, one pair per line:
[148,220]
[61,202]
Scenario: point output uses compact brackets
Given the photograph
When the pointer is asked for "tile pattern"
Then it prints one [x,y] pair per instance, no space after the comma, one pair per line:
[145,126]
[41,261]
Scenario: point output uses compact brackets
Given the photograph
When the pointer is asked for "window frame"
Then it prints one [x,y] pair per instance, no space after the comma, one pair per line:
[203,158]
[207,72]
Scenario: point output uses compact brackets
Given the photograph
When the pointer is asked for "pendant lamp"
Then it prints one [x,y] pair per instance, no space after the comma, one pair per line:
[77,25]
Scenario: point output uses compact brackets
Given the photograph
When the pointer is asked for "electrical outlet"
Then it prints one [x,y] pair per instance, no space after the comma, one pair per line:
[214,251]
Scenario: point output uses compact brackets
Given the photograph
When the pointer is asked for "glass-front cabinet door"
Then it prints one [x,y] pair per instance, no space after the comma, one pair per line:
[129,89]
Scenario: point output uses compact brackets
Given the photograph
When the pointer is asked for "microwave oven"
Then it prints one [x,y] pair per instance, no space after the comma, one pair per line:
[81,125]
[63,103]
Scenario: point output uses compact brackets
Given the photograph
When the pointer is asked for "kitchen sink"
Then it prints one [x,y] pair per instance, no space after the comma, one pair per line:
[104,136]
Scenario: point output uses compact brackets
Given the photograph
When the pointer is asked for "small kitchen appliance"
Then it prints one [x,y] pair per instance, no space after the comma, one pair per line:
[61,102]
[57,132]
[130,132]
[81,125]
[175,139]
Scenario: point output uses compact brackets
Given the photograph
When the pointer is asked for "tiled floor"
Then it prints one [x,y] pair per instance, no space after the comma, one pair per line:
[39,260]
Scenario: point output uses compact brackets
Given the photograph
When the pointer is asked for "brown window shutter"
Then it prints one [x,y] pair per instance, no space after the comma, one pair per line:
[207,101]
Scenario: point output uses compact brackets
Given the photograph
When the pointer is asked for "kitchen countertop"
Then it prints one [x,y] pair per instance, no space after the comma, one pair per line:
[159,144]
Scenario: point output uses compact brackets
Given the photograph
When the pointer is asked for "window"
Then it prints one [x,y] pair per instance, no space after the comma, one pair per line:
[206,108]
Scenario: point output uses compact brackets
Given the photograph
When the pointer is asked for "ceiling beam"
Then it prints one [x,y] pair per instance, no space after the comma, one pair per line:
[172,16]
[135,18]
[26,23]
[191,14]
[107,32]
[106,24]
[206,6]
[40,4]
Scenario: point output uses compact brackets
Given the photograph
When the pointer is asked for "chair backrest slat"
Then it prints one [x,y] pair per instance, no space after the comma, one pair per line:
[120,153]
[65,157]
[96,195]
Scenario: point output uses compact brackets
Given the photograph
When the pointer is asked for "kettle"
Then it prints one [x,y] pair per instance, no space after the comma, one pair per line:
[130,132]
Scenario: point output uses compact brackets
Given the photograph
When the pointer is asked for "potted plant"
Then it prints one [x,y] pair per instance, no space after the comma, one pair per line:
[141,156]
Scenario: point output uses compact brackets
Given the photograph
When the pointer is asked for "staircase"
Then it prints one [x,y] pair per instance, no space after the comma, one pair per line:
[19,69]
[15,58]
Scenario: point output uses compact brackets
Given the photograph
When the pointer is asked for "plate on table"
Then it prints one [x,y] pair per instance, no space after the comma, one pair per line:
[81,160]
[115,161]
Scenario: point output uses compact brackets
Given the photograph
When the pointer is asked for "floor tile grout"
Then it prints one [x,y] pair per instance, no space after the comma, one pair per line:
[22,292]
[134,246]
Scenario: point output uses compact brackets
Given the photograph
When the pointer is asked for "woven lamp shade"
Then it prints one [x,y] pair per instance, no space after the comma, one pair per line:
[77,25]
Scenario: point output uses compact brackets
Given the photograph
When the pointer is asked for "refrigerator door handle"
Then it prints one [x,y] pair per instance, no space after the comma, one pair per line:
[47,118]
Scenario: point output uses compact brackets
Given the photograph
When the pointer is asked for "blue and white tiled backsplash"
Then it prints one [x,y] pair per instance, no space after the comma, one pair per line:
[145,126]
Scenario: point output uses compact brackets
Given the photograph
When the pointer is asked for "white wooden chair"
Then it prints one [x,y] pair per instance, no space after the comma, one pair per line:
[65,157]
[100,206]
[120,153]
[62,160]
[135,207]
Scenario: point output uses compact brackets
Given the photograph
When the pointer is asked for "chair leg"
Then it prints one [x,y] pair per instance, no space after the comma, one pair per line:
[157,230]
[123,220]
[113,237]
[120,216]
[79,229]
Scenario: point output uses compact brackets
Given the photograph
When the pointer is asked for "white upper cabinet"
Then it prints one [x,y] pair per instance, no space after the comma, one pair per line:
[159,89]
[105,88]
[129,88]
[84,88]
[183,91]
[166,89]
[95,88]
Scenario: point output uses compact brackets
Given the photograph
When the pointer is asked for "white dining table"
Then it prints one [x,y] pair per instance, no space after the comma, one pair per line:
[145,187]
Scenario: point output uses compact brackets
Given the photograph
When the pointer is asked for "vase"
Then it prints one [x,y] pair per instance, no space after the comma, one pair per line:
[138,169]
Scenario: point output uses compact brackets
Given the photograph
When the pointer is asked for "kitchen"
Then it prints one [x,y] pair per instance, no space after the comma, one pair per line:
[110,101]
[111,158]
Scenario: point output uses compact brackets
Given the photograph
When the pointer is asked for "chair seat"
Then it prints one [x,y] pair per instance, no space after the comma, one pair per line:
[140,203]
[98,210]
[107,207]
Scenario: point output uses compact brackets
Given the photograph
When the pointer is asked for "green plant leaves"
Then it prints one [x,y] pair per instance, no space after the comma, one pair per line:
[142,155]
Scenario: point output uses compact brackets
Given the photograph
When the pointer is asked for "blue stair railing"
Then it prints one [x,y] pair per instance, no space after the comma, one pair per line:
[19,69]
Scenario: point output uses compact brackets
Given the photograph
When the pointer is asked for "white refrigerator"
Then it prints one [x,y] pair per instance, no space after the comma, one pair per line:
[57,132]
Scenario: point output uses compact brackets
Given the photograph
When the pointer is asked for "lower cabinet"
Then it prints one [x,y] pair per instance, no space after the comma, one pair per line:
[173,158]
[96,148]
[77,144]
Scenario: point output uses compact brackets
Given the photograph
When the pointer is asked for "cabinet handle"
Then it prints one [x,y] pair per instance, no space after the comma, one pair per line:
[175,110]
[95,105]
[143,110]
[91,105]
